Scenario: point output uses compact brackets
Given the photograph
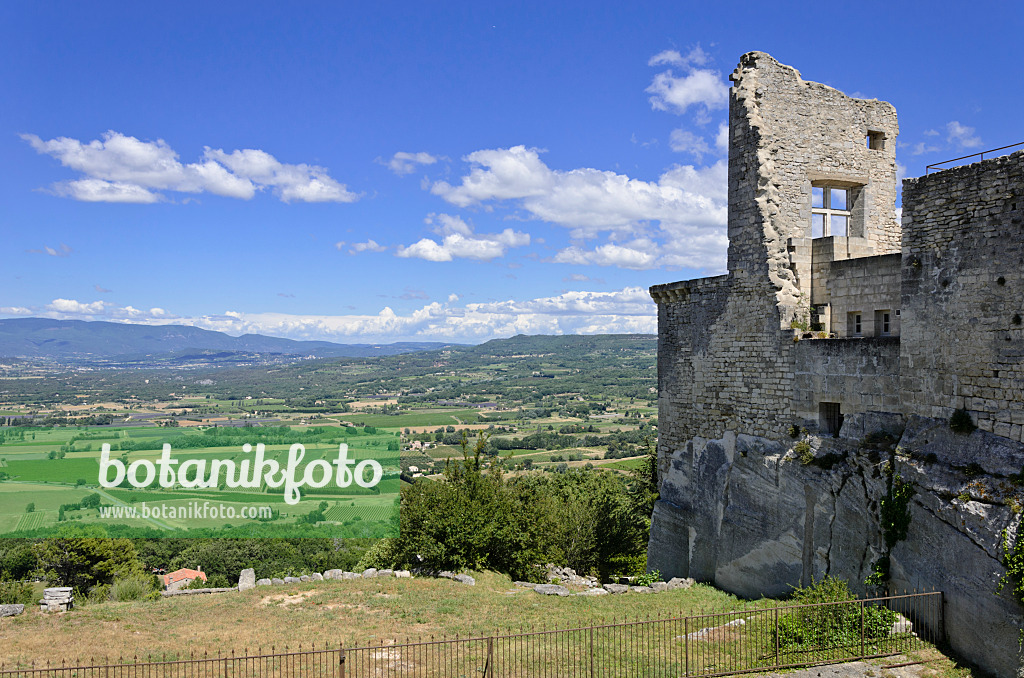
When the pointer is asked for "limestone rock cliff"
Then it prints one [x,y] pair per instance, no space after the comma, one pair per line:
[755,517]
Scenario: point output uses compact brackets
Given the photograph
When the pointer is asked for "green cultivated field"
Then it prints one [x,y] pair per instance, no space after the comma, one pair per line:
[425,417]
[32,477]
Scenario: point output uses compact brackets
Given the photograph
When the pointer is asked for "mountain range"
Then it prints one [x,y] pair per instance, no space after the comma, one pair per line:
[99,340]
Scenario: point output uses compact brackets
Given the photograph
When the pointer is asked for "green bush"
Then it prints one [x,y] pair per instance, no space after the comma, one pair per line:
[831,621]
[961,422]
[135,587]
[16,593]
[803,450]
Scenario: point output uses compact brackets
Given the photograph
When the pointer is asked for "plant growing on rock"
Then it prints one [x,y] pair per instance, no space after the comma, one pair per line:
[961,422]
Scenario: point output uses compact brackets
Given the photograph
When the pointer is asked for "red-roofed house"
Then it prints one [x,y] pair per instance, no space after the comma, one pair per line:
[182,578]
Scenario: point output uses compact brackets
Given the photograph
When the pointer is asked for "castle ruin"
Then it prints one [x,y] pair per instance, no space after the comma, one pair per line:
[840,329]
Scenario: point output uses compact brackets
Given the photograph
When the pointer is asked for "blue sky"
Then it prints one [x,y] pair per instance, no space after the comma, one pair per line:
[434,171]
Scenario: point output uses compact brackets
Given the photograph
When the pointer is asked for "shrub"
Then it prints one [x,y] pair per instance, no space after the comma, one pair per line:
[647,578]
[961,422]
[136,587]
[829,622]
[803,450]
[15,593]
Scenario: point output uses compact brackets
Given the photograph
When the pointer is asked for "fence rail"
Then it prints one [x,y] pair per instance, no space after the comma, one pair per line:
[938,165]
[704,645]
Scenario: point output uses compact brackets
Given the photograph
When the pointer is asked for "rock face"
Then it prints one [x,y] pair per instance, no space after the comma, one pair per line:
[744,513]
[11,610]
[247,579]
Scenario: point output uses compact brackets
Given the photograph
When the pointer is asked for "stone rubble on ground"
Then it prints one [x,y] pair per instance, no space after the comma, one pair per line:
[11,610]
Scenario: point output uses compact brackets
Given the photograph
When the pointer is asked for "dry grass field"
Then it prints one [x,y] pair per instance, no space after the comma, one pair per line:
[332,613]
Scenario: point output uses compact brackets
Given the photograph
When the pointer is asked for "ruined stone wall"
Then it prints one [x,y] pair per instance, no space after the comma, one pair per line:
[862,375]
[865,286]
[785,134]
[963,294]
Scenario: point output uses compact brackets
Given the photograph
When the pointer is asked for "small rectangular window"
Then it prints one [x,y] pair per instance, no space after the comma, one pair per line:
[883,322]
[876,141]
[853,324]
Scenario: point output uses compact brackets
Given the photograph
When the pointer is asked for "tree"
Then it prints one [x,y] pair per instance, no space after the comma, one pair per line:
[30,508]
[82,557]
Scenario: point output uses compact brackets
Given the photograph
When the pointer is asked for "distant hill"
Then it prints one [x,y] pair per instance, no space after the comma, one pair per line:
[92,340]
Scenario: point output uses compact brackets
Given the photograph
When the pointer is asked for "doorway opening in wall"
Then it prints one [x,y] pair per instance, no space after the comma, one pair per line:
[830,419]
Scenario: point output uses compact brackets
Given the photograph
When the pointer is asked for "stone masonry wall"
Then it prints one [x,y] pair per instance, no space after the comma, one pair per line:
[785,134]
[864,286]
[963,294]
[862,375]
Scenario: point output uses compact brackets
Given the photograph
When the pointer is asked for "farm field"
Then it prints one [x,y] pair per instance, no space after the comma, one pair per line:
[64,480]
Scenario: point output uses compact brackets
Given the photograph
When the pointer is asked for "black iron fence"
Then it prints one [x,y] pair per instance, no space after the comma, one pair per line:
[714,644]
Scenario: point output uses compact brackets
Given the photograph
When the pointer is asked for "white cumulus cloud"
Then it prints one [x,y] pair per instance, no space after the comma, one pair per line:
[691,86]
[684,141]
[368,246]
[683,212]
[402,163]
[961,135]
[120,168]
[628,310]
[459,241]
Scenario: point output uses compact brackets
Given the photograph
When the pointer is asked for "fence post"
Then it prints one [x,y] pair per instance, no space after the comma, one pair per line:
[341,661]
[776,635]
[862,629]
[591,652]
[489,668]
[686,642]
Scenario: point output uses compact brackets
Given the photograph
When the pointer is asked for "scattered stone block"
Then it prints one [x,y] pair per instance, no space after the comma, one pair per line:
[385,573]
[641,589]
[292,580]
[264,582]
[57,599]
[660,586]
[247,579]
[332,574]
[616,588]
[11,610]
[465,579]
[304,578]
[551,590]
[403,574]
[370,573]
[276,581]
[592,592]
[680,583]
